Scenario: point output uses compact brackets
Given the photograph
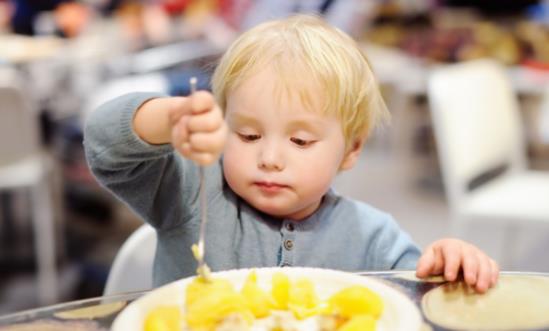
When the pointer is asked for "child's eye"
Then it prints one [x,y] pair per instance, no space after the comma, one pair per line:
[302,142]
[249,137]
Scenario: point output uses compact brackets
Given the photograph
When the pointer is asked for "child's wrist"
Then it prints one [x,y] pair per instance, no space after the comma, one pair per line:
[151,121]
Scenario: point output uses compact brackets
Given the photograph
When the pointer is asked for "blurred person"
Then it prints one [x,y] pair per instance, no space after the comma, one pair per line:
[350,16]
[6,11]
[221,21]
[174,7]
[159,18]
[71,18]
[26,12]
[149,23]
[293,102]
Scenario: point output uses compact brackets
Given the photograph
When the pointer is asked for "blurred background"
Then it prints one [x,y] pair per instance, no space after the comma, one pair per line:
[60,59]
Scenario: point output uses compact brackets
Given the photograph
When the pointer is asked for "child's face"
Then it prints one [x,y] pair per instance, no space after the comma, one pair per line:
[280,157]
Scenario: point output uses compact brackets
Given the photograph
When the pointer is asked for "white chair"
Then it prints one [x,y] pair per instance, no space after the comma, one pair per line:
[24,166]
[544,117]
[481,147]
[133,265]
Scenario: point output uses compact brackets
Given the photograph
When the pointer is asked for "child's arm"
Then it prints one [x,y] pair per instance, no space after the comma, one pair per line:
[447,256]
[193,125]
[127,147]
[151,121]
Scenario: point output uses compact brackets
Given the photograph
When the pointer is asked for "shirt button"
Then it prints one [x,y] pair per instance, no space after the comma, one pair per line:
[288,244]
[290,227]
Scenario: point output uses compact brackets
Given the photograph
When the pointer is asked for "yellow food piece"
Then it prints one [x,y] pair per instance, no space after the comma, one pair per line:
[356,300]
[281,290]
[210,302]
[196,252]
[199,288]
[302,299]
[164,318]
[203,270]
[259,302]
[303,293]
[359,323]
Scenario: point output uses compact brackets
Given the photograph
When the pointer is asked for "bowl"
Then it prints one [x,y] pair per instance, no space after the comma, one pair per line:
[399,313]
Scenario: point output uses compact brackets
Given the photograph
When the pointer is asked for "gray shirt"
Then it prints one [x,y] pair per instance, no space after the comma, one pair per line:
[162,188]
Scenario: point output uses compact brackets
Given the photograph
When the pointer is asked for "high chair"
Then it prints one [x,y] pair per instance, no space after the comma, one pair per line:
[481,149]
[133,265]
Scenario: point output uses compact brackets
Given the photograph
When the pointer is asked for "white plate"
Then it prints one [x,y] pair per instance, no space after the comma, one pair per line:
[399,314]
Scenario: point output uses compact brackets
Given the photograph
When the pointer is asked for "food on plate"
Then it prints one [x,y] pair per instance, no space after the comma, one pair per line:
[288,305]
[356,300]
[164,318]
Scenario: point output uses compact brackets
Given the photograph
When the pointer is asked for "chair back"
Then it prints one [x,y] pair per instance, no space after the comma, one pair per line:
[19,136]
[133,265]
[476,123]
[543,124]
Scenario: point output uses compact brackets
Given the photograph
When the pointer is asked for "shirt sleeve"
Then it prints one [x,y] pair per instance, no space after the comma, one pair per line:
[149,178]
[395,249]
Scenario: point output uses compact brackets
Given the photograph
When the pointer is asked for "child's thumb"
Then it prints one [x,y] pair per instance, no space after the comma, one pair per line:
[202,102]
[179,107]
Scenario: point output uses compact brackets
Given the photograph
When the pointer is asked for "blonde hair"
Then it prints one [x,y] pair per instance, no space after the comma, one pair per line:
[304,49]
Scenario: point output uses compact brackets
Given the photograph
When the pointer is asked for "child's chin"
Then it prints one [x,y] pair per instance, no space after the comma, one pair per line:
[271,209]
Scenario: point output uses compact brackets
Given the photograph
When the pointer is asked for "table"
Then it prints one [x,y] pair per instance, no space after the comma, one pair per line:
[98,313]
[409,74]
[20,49]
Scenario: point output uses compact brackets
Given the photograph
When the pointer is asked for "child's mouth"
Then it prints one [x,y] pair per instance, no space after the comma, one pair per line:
[270,187]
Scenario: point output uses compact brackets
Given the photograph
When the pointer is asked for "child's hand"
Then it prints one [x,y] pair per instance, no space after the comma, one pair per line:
[198,130]
[446,256]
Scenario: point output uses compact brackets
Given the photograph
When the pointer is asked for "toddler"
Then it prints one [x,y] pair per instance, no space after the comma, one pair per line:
[293,103]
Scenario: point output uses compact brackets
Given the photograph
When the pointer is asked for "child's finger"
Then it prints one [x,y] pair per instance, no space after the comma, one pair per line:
[470,268]
[206,122]
[179,107]
[452,259]
[495,272]
[203,158]
[439,262]
[484,275]
[208,142]
[185,150]
[180,133]
[202,101]
[425,263]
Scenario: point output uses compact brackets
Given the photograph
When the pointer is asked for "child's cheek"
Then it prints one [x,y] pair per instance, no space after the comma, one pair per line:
[315,178]
[235,166]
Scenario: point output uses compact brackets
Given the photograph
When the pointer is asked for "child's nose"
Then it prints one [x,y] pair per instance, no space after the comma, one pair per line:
[270,158]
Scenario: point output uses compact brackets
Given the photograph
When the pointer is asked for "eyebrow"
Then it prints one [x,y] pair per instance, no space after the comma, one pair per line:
[310,125]
[241,119]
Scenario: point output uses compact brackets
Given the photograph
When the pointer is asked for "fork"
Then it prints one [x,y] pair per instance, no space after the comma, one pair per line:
[203,270]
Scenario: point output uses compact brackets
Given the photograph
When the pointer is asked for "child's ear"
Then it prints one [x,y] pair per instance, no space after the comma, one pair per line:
[351,156]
